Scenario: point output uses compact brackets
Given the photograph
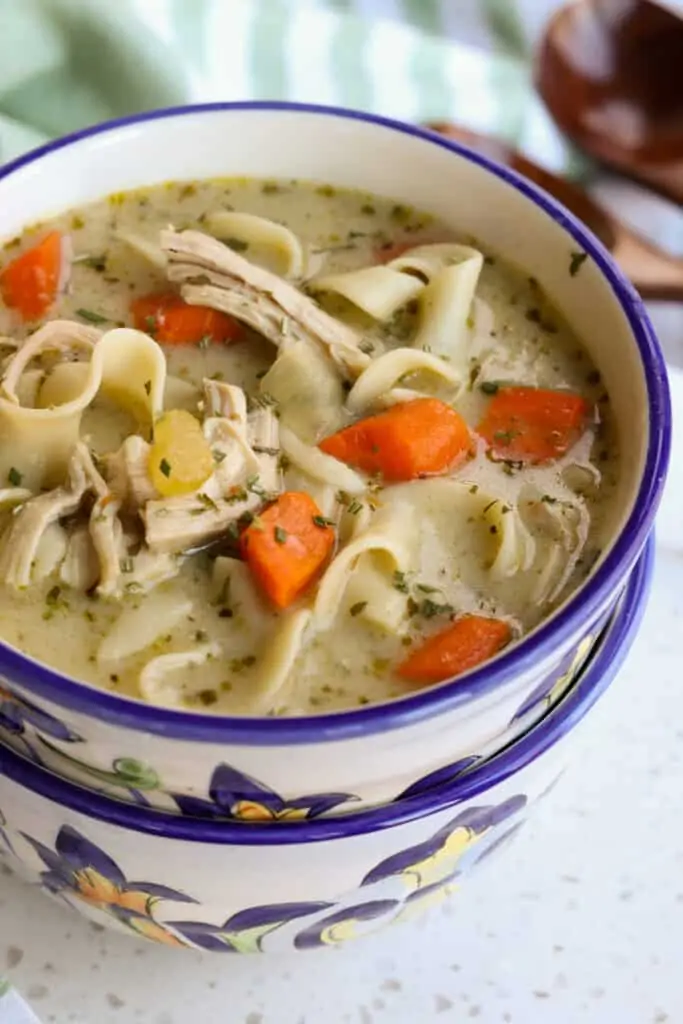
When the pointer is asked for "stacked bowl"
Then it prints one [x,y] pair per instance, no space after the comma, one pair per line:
[278,833]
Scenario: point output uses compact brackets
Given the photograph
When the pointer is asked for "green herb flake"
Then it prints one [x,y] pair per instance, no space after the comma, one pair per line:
[207,697]
[218,456]
[165,467]
[91,316]
[428,608]
[207,502]
[368,210]
[366,347]
[236,244]
[98,263]
[52,598]
[148,387]
[280,535]
[357,608]
[576,261]
[323,521]
[271,188]
[14,477]
[126,565]
[283,462]
[475,370]
[400,582]
[547,499]
[327,191]
[354,507]
[474,488]
[77,223]
[187,191]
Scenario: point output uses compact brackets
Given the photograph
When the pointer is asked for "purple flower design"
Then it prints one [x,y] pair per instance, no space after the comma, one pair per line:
[547,693]
[16,713]
[79,869]
[346,924]
[438,778]
[237,797]
[244,932]
[449,852]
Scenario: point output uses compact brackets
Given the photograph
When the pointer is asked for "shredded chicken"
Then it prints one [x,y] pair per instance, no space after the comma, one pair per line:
[80,568]
[20,541]
[189,521]
[126,471]
[155,684]
[212,274]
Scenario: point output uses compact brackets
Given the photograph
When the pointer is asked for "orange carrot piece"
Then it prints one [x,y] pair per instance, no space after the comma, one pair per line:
[424,437]
[29,283]
[286,546]
[533,424]
[467,642]
[172,321]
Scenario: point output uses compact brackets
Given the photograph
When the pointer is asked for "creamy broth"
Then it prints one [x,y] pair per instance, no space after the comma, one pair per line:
[459,554]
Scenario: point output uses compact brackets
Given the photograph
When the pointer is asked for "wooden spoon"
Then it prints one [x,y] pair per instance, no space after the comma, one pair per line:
[655,273]
[611,74]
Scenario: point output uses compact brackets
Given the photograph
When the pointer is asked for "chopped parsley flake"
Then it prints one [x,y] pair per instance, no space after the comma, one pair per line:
[126,565]
[165,467]
[576,261]
[91,316]
[323,521]
[358,607]
[489,387]
[14,477]
[148,387]
[237,244]
[280,535]
[400,582]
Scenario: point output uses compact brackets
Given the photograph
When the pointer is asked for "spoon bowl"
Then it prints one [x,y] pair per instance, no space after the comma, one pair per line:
[609,72]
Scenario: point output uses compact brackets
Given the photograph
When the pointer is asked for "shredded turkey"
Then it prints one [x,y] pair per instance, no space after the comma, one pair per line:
[189,521]
[126,471]
[80,568]
[157,682]
[31,520]
[212,274]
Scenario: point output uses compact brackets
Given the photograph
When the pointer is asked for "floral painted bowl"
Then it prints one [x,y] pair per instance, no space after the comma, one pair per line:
[232,886]
[322,764]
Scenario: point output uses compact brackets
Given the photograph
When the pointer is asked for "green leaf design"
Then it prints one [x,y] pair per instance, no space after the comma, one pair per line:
[135,773]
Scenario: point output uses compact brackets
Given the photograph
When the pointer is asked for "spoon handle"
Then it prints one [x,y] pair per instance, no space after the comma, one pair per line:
[653,272]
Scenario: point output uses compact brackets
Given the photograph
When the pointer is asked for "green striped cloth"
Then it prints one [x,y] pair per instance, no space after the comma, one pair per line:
[65,64]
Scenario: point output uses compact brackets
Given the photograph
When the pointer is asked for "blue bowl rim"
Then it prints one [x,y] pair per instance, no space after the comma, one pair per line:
[521,658]
[601,669]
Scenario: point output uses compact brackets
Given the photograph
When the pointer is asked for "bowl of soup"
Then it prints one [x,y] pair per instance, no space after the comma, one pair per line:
[227,886]
[327,448]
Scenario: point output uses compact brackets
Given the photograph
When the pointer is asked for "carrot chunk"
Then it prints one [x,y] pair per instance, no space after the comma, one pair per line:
[533,424]
[420,438]
[29,283]
[469,641]
[172,321]
[286,546]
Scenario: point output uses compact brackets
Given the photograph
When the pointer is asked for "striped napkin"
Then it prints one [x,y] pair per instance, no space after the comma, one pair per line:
[65,64]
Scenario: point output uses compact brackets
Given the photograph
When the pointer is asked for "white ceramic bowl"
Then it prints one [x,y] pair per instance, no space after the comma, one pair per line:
[307,767]
[234,886]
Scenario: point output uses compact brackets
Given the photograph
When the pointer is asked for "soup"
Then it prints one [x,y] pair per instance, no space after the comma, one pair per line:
[272,447]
